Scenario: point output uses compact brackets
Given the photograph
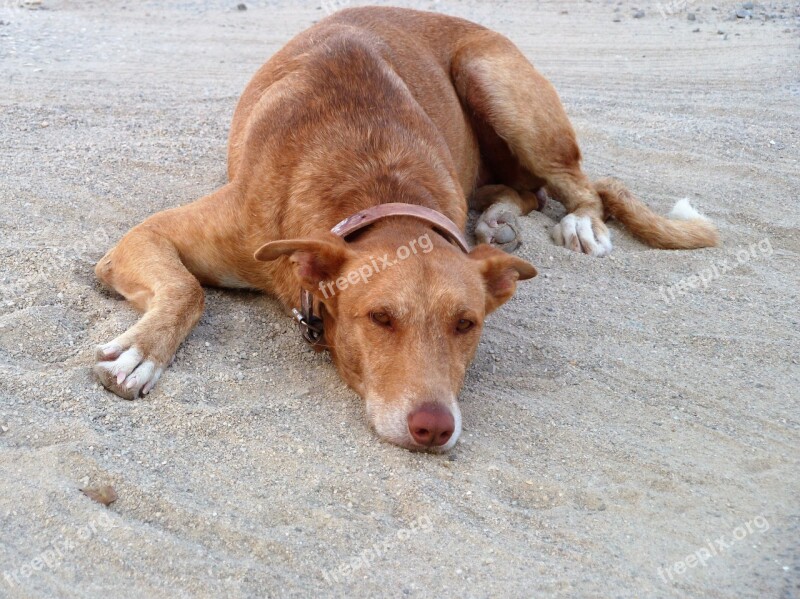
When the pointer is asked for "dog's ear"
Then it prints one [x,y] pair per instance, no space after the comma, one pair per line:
[316,260]
[500,273]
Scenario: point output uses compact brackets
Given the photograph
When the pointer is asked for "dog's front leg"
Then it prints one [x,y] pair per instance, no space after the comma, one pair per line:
[159,266]
[146,270]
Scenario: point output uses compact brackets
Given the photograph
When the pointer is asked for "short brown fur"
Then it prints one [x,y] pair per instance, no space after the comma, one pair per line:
[370,106]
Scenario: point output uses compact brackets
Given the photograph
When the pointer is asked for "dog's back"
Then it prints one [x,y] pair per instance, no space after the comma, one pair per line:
[384,72]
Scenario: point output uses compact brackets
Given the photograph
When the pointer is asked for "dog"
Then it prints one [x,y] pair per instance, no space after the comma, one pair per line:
[354,156]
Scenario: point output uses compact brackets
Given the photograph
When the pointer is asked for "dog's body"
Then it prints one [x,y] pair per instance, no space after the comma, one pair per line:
[368,107]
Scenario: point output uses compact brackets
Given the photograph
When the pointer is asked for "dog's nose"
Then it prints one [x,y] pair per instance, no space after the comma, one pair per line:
[431,425]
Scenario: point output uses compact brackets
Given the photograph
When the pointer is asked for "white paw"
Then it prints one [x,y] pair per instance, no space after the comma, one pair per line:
[581,234]
[498,226]
[126,371]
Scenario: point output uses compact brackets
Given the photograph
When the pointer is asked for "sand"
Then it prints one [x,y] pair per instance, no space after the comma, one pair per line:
[631,423]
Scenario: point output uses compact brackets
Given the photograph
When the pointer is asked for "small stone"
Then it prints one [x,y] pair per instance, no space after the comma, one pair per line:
[691,16]
[743,13]
[241,6]
[748,5]
[639,14]
[105,494]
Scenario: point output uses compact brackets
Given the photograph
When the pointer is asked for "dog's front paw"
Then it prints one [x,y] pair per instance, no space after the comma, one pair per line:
[126,369]
[498,227]
[583,234]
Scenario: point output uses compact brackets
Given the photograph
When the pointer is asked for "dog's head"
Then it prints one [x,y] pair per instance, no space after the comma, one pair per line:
[403,313]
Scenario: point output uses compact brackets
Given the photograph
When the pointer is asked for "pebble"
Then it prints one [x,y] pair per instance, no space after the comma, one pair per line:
[639,14]
[691,16]
[105,495]
[743,13]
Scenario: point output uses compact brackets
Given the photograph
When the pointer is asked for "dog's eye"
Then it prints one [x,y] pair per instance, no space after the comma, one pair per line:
[464,325]
[381,319]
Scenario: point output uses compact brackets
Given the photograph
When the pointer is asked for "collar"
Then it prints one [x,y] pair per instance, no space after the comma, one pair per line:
[310,324]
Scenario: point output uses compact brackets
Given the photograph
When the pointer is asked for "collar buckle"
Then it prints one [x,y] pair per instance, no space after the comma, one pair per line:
[310,326]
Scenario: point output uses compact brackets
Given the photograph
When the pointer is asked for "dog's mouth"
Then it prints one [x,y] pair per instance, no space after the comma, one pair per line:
[425,427]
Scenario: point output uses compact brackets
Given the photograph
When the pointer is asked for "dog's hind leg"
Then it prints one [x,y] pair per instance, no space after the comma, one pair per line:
[500,206]
[159,266]
[502,91]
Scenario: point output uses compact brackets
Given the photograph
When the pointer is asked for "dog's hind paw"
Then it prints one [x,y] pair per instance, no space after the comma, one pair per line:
[126,370]
[583,234]
[498,227]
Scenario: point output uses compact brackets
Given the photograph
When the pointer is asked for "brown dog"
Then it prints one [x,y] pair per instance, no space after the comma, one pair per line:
[375,106]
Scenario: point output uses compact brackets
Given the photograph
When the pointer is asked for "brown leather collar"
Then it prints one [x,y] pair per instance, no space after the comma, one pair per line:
[310,324]
[440,222]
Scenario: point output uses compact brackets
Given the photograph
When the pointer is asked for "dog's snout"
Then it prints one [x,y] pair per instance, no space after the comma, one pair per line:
[431,425]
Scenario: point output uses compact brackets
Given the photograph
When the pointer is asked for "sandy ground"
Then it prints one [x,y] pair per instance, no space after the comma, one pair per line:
[624,436]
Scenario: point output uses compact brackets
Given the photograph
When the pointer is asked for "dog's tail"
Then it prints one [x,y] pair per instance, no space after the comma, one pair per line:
[683,229]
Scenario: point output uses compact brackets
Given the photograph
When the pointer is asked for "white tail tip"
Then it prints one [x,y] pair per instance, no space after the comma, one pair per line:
[683,210]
